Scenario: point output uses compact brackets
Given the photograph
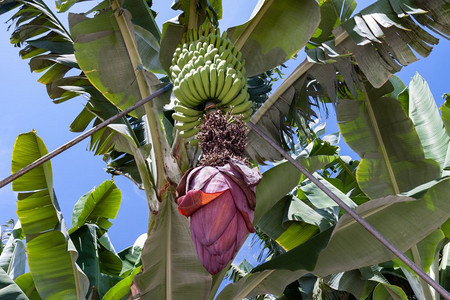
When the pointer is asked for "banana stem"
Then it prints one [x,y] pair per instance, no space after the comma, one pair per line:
[154,126]
[192,14]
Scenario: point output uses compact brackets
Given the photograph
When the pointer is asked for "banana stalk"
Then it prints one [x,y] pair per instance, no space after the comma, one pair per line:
[159,144]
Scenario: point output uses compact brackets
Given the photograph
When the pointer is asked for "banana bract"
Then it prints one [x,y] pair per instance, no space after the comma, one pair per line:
[207,68]
[220,202]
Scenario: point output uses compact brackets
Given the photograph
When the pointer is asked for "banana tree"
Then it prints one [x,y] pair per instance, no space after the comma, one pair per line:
[117,49]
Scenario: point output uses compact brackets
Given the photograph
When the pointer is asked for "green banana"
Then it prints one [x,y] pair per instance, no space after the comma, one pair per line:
[247,114]
[188,99]
[189,133]
[178,116]
[181,97]
[213,79]
[221,64]
[188,125]
[198,84]
[220,81]
[226,87]
[242,107]
[187,111]
[193,142]
[209,48]
[192,94]
[241,97]
[194,91]
[204,72]
[234,90]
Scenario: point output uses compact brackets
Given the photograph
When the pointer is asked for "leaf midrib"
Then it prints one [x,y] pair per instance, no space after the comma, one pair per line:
[382,146]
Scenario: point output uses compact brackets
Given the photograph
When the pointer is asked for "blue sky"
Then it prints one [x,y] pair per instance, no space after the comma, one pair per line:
[26,106]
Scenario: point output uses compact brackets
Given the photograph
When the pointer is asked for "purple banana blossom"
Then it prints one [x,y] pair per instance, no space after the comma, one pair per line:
[220,202]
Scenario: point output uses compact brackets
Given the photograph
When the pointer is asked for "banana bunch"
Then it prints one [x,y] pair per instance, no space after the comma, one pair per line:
[207,67]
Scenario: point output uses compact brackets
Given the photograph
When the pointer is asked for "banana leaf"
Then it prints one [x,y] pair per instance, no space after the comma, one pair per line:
[427,120]
[26,284]
[169,260]
[131,256]
[101,53]
[259,38]
[13,258]
[285,177]
[100,265]
[97,206]
[8,289]
[387,142]
[388,291]
[51,254]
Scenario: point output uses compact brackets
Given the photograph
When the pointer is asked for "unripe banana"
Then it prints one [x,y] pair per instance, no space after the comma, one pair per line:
[181,97]
[189,98]
[240,98]
[247,114]
[213,80]
[198,84]
[187,126]
[204,71]
[213,38]
[233,91]
[189,133]
[220,81]
[187,111]
[184,85]
[178,116]
[226,87]
[193,142]
[191,84]
[175,70]
[242,107]
[221,64]
[209,48]
[207,66]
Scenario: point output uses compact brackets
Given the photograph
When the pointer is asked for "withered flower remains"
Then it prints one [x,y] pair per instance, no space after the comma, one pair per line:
[219,196]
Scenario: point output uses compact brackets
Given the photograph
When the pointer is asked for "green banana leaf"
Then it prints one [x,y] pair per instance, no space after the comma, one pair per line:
[95,264]
[423,255]
[26,284]
[333,13]
[51,254]
[259,39]
[101,52]
[394,217]
[122,290]
[142,14]
[351,282]
[319,199]
[45,42]
[385,138]
[426,118]
[13,258]
[445,111]
[131,256]
[169,260]
[97,206]
[388,291]
[8,289]
[285,224]
[285,177]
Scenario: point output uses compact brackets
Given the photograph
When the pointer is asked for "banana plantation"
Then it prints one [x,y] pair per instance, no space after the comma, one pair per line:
[223,132]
